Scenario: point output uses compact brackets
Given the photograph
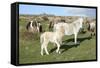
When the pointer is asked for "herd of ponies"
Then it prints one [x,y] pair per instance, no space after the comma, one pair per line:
[59,30]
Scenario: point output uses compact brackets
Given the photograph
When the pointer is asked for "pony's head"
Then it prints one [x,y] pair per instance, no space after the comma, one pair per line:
[81,22]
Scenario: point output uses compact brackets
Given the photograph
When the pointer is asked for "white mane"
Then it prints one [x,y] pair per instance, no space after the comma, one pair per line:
[79,22]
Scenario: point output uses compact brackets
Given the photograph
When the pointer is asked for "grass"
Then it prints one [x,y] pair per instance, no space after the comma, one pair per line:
[29,47]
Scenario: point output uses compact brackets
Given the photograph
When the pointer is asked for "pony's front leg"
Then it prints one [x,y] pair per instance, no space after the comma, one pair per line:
[58,47]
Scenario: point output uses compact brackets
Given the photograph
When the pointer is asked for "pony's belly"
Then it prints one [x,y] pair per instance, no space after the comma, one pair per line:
[67,33]
[52,40]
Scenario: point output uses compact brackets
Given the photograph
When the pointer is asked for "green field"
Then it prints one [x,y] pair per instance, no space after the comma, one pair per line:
[29,47]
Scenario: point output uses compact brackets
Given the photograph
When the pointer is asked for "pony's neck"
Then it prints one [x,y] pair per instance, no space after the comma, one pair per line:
[60,33]
[79,22]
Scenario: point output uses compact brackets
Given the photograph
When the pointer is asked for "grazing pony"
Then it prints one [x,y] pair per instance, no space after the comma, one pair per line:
[91,28]
[38,26]
[50,25]
[30,27]
[53,21]
[53,37]
[34,27]
[70,28]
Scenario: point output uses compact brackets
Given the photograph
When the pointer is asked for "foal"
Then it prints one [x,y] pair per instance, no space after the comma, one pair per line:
[53,37]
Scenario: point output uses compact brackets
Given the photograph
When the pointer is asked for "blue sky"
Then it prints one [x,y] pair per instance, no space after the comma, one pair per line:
[58,11]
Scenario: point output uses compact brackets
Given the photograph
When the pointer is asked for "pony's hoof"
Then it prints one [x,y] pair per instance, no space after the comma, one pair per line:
[48,54]
[59,52]
[41,54]
[77,43]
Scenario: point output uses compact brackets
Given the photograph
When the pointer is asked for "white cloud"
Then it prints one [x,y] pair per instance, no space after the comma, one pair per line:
[74,11]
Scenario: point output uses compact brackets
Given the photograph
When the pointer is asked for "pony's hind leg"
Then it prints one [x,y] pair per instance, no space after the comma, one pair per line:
[45,47]
[58,47]
[42,49]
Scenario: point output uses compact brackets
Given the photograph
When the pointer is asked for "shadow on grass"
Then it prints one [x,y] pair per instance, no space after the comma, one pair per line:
[67,44]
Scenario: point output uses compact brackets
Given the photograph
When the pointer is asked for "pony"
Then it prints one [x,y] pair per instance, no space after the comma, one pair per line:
[53,37]
[53,21]
[70,28]
[30,27]
[91,28]
[34,26]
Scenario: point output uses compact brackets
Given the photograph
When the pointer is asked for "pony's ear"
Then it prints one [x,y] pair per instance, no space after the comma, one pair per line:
[83,17]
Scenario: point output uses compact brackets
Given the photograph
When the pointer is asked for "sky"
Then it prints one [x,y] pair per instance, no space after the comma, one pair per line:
[55,10]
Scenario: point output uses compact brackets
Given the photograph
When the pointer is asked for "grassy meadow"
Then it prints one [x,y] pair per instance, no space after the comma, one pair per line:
[29,47]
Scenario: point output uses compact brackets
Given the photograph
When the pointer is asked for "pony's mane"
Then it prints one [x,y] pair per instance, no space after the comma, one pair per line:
[78,20]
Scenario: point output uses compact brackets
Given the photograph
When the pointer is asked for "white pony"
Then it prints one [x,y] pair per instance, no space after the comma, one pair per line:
[53,37]
[70,28]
